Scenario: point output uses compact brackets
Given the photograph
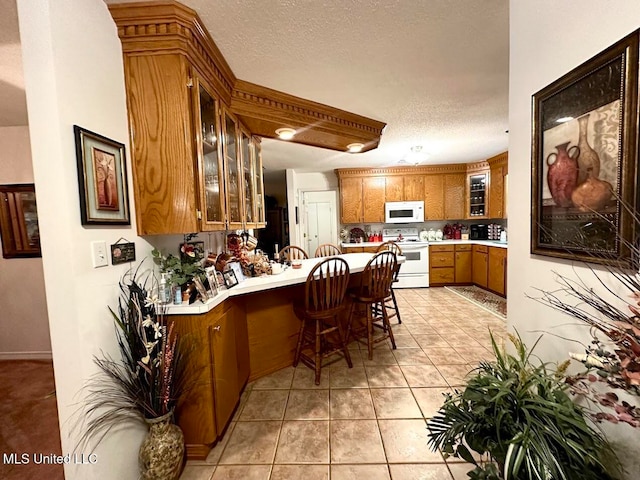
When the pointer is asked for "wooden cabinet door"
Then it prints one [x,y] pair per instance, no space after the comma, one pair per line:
[496,193]
[351,200]
[373,191]
[162,151]
[433,197]
[463,267]
[497,269]
[413,187]
[394,189]
[479,268]
[222,340]
[454,195]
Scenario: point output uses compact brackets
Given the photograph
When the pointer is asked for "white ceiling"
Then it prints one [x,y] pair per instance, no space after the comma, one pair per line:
[436,71]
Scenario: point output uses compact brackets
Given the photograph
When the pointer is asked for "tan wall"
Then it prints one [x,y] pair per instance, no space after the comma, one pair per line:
[24,328]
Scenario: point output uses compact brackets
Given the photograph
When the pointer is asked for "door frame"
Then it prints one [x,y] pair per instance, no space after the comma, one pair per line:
[303,217]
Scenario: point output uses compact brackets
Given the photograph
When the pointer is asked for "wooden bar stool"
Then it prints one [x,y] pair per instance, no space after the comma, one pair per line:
[390,302]
[375,286]
[321,331]
[293,252]
[327,250]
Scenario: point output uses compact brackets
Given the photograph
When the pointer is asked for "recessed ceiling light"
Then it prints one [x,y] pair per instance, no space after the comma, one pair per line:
[285,133]
[355,147]
[564,119]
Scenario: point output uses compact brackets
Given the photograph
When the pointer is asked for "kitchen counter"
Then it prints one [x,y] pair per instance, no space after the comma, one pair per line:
[490,243]
[290,276]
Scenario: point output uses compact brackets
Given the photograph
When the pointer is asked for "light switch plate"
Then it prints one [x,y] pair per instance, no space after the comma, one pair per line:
[99,254]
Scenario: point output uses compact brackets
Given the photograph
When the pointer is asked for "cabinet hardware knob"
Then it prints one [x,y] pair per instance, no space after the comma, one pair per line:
[217,328]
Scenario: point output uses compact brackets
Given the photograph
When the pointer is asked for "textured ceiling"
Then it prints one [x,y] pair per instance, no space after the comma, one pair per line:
[436,71]
[13,104]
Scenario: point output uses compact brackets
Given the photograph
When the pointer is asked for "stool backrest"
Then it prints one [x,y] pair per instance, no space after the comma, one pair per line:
[326,285]
[378,275]
[292,252]
[391,246]
[327,250]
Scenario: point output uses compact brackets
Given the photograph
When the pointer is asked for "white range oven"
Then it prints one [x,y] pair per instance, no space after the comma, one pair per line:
[414,272]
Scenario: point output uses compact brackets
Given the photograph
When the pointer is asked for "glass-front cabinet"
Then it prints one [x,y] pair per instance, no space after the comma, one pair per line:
[234,181]
[258,182]
[247,178]
[210,169]
[478,184]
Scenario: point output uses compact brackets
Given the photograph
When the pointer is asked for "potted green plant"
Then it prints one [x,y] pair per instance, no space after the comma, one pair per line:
[181,269]
[520,416]
[144,384]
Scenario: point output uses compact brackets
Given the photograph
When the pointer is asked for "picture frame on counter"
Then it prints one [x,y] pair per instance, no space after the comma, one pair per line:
[204,296]
[230,279]
[584,157]
[102,179]
[212,278]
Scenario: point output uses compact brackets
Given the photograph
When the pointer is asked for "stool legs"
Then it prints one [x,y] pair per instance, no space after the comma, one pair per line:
[395,305]
[345,340]
[296,358]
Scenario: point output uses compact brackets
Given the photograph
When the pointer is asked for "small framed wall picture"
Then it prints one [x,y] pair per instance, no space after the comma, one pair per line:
[230,279]
[213,280]
[102,179]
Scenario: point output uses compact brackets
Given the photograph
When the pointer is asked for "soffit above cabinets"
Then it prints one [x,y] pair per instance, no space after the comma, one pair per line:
[170,27]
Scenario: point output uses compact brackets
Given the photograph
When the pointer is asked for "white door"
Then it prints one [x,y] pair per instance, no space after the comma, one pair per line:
[320,219]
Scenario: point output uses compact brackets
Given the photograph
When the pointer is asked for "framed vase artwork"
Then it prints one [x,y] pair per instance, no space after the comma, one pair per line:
[584,156]
[102,179]
[19,221]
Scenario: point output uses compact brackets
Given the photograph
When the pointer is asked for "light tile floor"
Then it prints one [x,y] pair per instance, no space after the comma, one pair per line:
[365,422]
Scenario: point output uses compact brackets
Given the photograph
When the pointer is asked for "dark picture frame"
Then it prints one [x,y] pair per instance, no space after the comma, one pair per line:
[19,221]
[230,279]
[102,179]
[584,156]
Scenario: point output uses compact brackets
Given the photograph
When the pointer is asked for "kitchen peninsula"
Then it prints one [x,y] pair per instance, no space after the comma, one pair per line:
[244,333]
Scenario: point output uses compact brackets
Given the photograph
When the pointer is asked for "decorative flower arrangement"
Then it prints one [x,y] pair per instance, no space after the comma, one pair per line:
[150,375]
[613,356]
[253,263]
[181,270]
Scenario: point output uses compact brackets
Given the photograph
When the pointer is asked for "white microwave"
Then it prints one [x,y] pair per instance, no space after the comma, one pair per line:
[404,212]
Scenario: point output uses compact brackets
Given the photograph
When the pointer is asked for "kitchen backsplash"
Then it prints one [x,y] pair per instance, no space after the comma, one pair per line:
[434,224]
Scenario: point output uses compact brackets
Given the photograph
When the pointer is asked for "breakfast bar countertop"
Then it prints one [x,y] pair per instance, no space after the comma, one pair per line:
[290,276]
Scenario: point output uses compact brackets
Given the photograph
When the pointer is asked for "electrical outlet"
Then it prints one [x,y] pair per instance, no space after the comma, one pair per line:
[99,254]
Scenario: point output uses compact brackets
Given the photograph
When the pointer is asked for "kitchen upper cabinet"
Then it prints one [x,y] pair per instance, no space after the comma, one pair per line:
[233,170]
[258,182]
[394,188]
[434,204]
[413,188]
[351,200]
[478,194]
[454,195]
[497,188]
[479,267]
[373,198]
[497,270]
[163,137]
[362,199]
[210,167]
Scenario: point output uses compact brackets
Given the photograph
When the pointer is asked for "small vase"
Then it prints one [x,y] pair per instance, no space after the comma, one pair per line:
[588,160]
[562,176]
[161,455]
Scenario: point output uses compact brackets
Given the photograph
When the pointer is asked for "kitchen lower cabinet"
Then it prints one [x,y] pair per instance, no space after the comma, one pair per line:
[497,270]
[479,267]
[218,369]
[441,265]
[463,260]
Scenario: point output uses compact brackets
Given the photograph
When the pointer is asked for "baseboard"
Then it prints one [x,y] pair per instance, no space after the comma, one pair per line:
[26,356]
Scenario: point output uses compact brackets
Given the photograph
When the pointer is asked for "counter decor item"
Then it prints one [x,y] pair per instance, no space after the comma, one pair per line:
[517,414]
[584,158]
[144,384]
[182,269]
